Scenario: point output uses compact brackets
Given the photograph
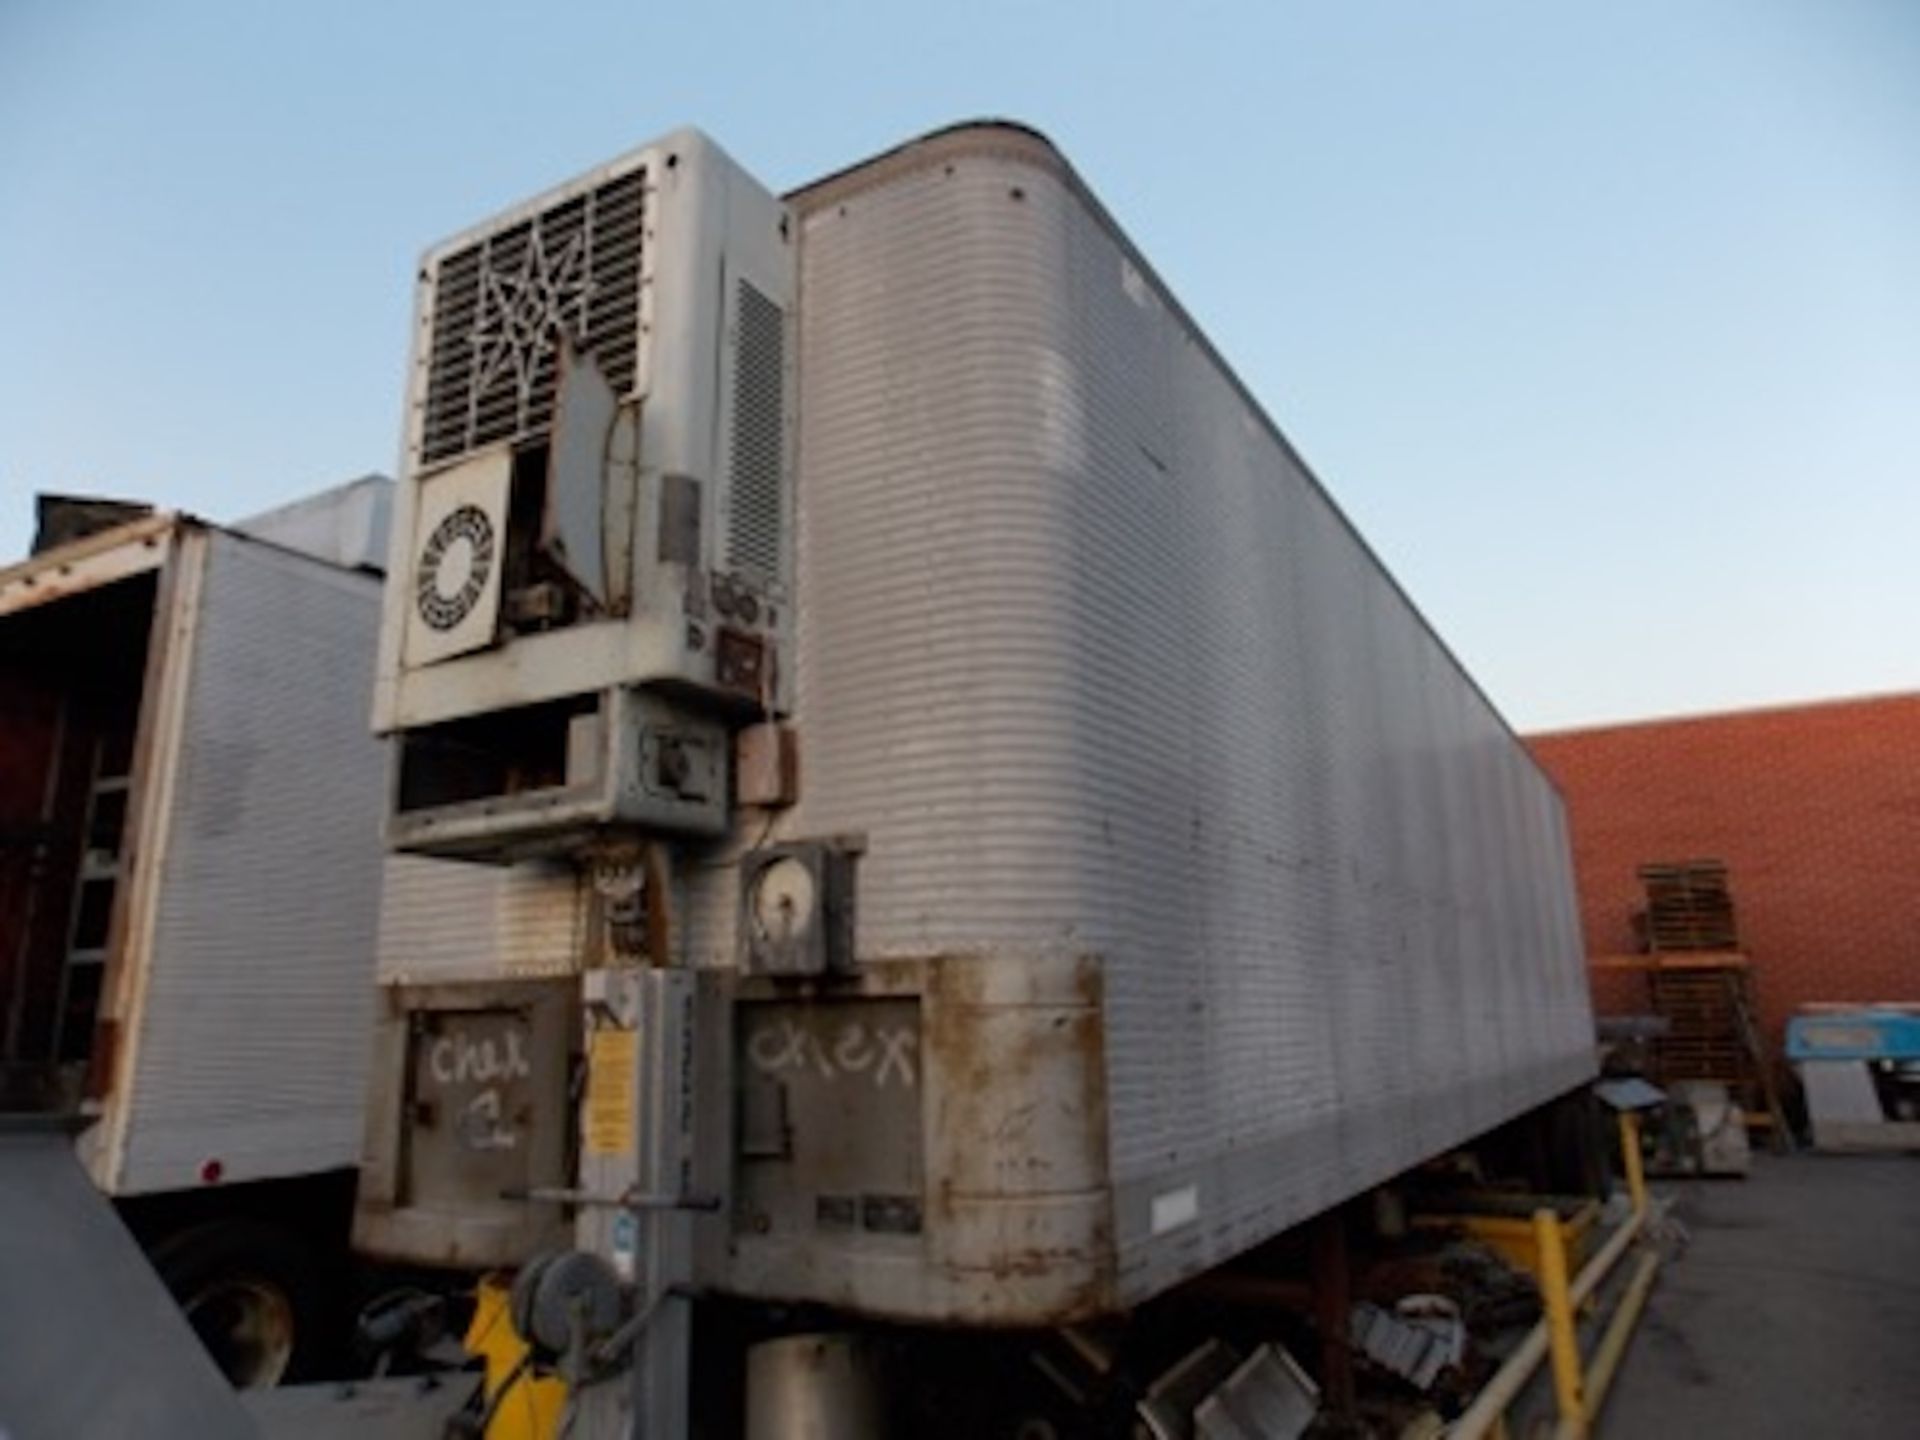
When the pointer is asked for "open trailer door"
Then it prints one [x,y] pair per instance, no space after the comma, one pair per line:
[76,627]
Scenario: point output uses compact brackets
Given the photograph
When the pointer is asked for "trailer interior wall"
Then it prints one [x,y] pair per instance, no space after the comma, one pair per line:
[1133,724]
[70,684]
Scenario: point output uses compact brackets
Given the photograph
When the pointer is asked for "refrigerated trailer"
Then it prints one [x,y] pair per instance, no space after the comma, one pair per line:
[189,886]
[925,694]
[1212,887]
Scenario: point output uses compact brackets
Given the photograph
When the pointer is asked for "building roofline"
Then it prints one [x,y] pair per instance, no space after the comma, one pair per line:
[1745,712]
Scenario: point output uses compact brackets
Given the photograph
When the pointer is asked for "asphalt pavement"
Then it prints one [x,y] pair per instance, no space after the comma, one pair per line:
[1794,1310]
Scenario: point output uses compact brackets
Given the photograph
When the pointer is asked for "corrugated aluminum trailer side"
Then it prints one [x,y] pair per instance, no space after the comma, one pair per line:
[243,1005]
[1200,888]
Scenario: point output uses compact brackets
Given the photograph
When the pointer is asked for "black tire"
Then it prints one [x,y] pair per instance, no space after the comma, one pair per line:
[256,1296]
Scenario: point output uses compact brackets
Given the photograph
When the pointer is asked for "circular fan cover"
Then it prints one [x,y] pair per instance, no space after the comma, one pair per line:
[454,566]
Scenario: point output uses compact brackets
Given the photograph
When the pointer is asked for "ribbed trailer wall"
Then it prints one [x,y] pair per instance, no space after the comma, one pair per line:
[248,1031]
[1147,752]
[449,921]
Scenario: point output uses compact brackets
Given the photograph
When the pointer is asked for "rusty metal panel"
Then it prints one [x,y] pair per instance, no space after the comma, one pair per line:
[927,1139]
[470,1097]
[470,955]
[467,1109]
[1093,664]
[828,1130]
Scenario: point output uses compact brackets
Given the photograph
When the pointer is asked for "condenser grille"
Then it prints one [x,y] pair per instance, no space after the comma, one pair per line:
[759,378]
[500,304]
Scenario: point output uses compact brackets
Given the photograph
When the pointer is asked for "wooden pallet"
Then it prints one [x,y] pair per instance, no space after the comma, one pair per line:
[1699,980]
[1712,1036]
[1689,907]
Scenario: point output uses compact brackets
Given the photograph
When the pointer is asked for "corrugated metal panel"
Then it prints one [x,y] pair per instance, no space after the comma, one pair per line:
[1093,664]
[252,1035]
[451,920]
[345,525]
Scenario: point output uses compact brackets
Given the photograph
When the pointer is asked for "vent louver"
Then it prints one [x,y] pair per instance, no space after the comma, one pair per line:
[500,304]
[759,378]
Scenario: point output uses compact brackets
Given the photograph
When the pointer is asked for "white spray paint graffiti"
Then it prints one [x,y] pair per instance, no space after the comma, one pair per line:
[458,1059]
[482,1126]
[489,1061]
[881,1053]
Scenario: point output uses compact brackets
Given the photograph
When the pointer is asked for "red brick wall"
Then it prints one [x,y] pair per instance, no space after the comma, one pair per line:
[1815,810]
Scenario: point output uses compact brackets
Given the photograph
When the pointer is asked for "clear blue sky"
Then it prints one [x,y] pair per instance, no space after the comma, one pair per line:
[1602,320]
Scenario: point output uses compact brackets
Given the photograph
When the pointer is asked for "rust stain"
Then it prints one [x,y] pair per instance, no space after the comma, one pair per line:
[659,903]
[1018,1211]
[1013,1079]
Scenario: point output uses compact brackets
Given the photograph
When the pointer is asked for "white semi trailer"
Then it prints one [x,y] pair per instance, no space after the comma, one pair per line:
[991,841]
[189,886]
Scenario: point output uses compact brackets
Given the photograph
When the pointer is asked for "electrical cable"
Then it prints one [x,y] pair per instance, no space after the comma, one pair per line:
[513,1378]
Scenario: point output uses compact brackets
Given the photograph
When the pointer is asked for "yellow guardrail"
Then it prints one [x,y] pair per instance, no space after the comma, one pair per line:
[1579,1390]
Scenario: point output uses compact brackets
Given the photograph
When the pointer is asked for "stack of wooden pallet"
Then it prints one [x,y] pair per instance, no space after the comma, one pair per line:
[1700,1003]
[1689,907]
[1701,982]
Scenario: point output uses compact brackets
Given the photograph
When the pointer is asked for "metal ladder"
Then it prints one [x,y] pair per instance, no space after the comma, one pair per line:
[96,886]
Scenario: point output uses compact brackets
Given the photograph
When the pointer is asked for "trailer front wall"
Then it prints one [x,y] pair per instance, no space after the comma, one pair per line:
[1095,666]
[449,921]
[254,1005]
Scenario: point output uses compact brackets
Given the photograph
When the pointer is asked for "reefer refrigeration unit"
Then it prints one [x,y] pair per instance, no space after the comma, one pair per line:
[590,546]
[1156,878]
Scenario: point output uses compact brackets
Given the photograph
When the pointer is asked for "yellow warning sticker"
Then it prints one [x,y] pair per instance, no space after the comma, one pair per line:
[613,1058]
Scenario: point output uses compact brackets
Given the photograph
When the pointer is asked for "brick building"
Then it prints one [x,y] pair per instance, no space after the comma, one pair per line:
[1814,808]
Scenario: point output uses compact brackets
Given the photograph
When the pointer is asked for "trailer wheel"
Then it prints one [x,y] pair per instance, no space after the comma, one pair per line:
[254,1296]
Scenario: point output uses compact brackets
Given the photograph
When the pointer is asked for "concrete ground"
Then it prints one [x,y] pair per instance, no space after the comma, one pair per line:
[1794,1311]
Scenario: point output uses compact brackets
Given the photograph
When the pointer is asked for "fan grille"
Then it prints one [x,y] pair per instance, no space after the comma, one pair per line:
[759,380]
[500,305]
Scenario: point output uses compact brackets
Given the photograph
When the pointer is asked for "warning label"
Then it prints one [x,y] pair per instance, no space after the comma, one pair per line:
[612,1064]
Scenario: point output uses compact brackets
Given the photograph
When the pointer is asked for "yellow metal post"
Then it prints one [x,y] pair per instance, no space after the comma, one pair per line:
[1630,1157]
[1481,1418]
[1613,1344]
[1563,1345]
